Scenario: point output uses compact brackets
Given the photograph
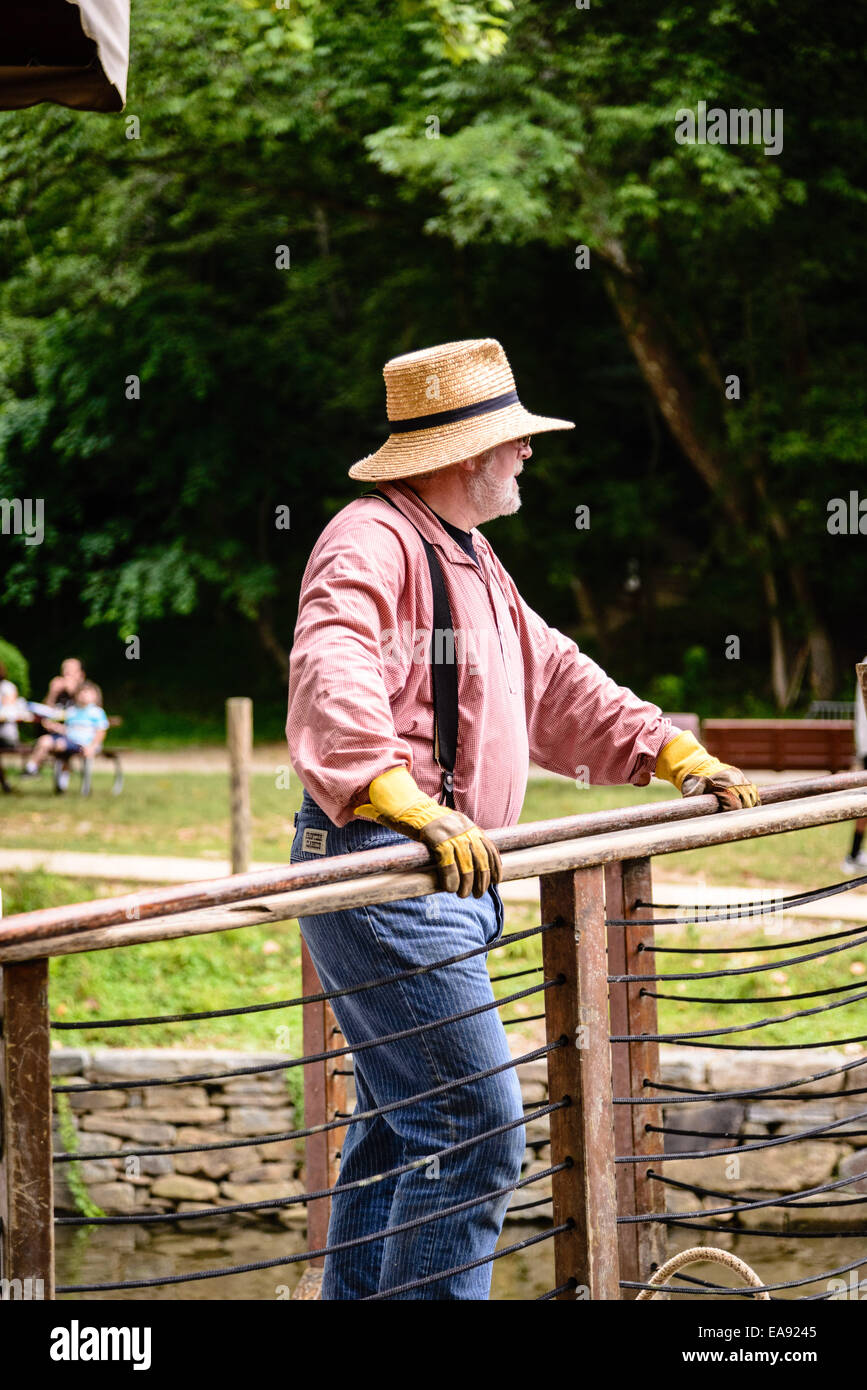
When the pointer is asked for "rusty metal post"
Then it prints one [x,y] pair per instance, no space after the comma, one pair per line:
[583,1131]
[26,1179]
[642,1246]
[324,1099]
[618,1013]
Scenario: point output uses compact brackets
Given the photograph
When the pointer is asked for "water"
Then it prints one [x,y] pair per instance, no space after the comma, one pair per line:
[105,1254]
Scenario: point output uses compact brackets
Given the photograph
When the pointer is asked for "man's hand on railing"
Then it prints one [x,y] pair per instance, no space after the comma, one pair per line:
[466,860]
[695,772]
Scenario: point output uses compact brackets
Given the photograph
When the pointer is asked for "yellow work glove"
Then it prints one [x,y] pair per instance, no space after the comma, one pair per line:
[694,771]
[465,858]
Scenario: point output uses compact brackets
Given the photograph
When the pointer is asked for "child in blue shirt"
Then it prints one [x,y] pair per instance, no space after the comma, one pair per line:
[82,732]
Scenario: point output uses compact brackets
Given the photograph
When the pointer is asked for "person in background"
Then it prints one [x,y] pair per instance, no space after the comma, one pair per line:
[64,688]
[82,732]
[8,709]
[856,860]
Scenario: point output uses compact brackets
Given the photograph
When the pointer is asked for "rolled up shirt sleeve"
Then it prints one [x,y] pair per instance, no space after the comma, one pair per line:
[580,722]
[340,727]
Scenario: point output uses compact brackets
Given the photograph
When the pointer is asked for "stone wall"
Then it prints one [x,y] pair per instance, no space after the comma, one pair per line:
[171,1116]
[248,1108]
[785,1168]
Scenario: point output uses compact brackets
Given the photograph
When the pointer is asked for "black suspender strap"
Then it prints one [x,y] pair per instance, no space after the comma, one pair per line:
[444,671]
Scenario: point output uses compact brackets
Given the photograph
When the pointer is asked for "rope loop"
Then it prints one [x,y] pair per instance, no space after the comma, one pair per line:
[700,1254]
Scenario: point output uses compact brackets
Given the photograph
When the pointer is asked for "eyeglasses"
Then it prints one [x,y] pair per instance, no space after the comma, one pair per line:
[524,441]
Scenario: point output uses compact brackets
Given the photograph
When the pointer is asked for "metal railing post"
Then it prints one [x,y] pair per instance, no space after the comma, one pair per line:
[26,1179]
[584,1130]
[324,1099]
[642,1246]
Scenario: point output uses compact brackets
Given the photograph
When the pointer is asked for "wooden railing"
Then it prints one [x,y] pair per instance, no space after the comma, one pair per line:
[590,867]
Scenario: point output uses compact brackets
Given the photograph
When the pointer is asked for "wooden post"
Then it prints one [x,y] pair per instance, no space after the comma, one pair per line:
[324,1098]
[583,1131]
[642,1247]
[239,733]
[26,1179]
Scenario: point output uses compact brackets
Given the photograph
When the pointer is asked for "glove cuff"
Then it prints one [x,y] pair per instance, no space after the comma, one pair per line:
[685,756]
[396,796]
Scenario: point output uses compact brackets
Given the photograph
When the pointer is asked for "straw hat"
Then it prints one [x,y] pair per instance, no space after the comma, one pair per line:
[449,403]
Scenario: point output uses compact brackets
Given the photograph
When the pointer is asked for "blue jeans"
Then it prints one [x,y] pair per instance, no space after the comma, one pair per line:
[359,944]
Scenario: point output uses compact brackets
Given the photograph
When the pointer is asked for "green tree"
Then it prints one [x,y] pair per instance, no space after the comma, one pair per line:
[167,388]
[716,258]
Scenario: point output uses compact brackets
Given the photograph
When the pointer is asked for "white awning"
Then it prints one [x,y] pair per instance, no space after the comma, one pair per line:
[73,52]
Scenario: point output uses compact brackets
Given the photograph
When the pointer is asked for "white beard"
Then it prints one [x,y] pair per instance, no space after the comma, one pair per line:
[490,496]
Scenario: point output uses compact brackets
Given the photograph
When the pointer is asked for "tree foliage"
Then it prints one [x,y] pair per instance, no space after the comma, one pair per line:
[156,258]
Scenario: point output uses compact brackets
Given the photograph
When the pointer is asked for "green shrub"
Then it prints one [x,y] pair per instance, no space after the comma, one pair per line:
[17,669]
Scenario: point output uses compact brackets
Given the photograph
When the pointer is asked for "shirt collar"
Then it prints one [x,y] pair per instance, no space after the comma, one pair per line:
[421,516]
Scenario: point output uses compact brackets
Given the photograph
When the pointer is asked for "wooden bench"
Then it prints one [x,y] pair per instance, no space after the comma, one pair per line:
[782,744]
[111,754]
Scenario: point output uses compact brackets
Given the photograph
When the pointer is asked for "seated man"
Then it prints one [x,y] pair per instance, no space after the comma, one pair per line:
[82,732]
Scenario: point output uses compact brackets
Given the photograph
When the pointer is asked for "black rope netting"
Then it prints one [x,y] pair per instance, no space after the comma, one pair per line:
[710,912]
[743,1142]
[323,996]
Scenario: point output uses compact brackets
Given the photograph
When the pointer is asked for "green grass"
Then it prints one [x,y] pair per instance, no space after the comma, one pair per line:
[179,813]
[846,967]
[224,970]
[248,965]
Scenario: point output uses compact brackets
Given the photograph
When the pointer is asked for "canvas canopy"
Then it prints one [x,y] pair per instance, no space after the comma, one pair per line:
[73,52]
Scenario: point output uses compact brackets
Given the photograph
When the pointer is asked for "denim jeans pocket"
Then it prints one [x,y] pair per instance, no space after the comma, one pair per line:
[500,912]
[314,834]
[317,836]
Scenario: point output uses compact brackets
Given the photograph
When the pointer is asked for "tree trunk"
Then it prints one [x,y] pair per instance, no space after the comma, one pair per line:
[820,646]
[672,391]
[592,620]
[779,677]
[272,645]
[675,398]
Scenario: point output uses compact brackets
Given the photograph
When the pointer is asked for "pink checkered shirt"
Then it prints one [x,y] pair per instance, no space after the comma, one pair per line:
[360,687]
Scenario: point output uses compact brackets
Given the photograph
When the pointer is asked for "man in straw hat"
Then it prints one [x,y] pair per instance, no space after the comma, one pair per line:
[362,701]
